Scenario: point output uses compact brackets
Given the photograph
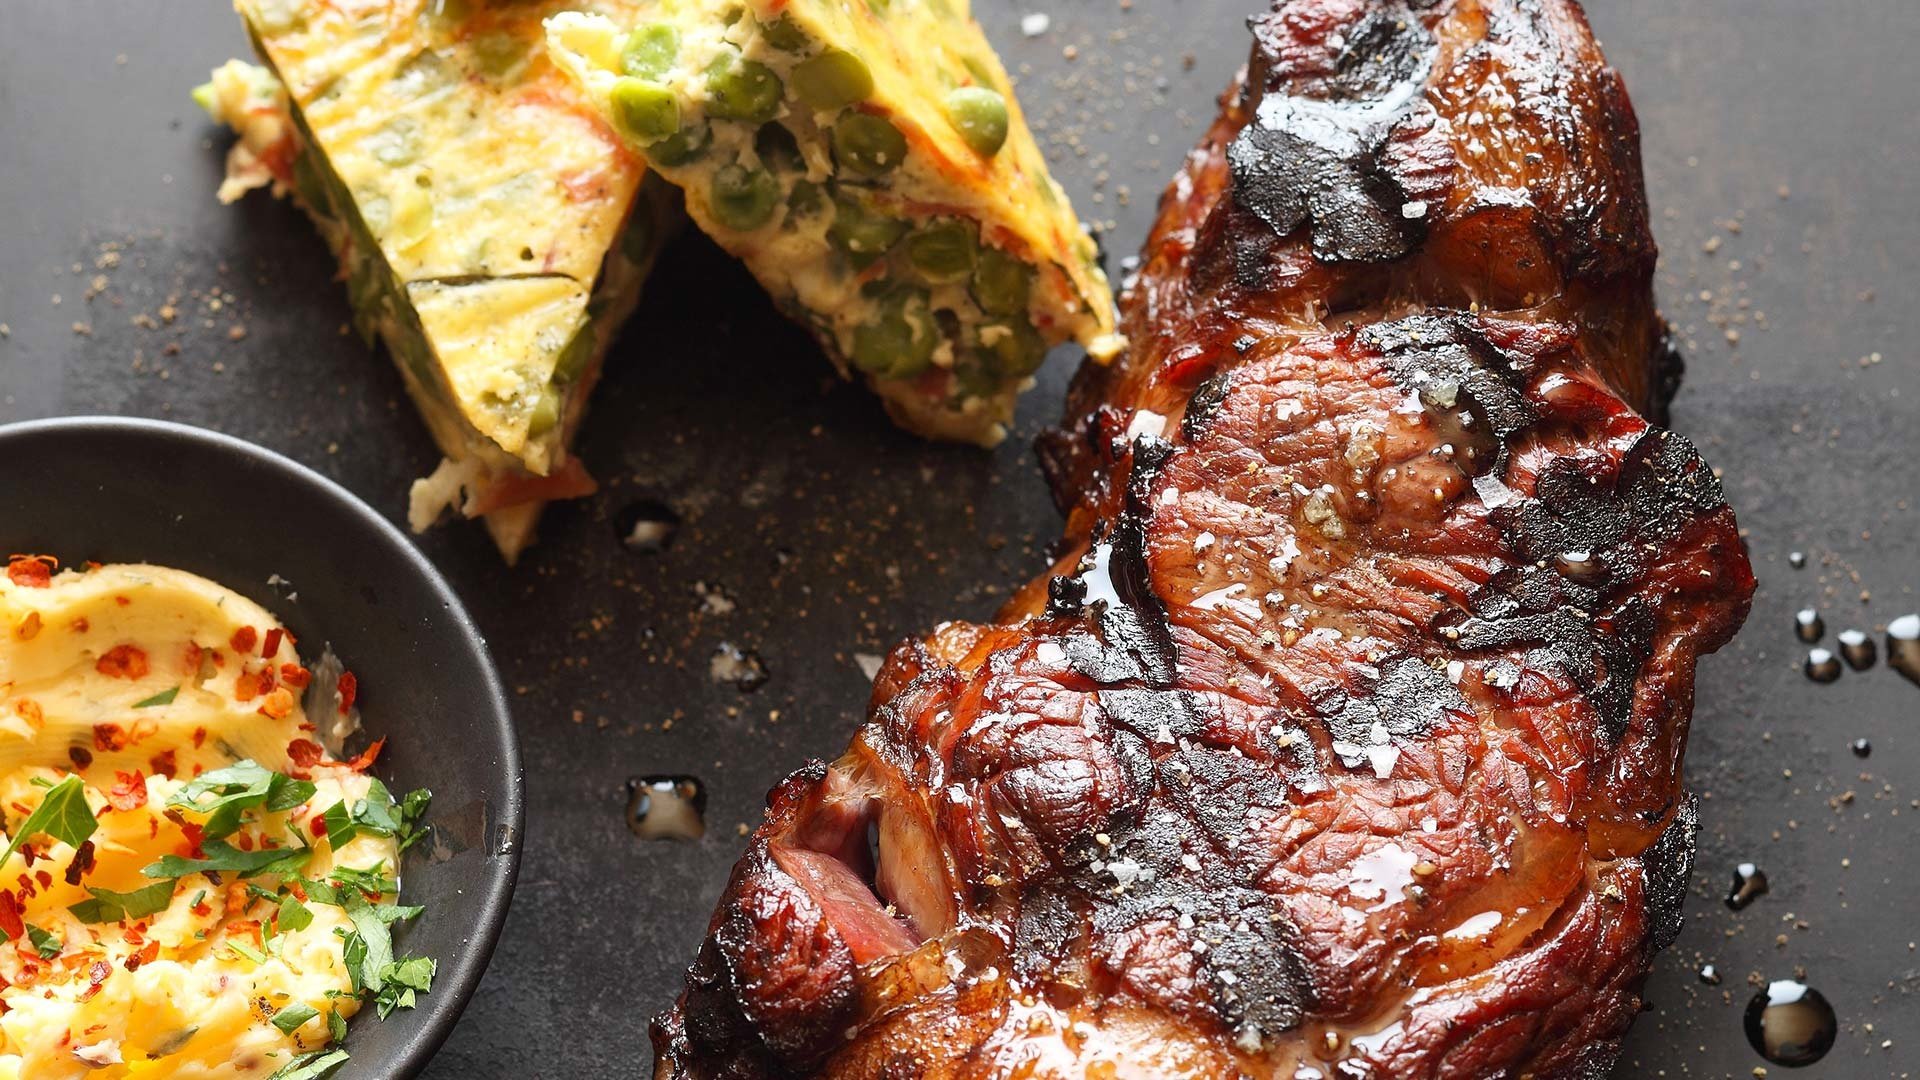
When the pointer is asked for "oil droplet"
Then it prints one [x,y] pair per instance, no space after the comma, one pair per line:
[1581,567]
[1790,1023]
[667,807]
[1861,748]
[1903,646]
[1749,884]
[1822,666]
[1857,649]
[1709,975]
[731,664]
[647,526]
[1797,559]
[1809,625]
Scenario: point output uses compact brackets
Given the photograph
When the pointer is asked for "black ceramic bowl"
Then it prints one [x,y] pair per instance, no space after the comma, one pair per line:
[119,490]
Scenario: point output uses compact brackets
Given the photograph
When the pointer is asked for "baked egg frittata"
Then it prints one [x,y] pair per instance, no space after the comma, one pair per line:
[491,228]
[870,164]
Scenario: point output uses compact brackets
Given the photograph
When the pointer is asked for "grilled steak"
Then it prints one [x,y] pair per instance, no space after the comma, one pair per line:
[1345,739]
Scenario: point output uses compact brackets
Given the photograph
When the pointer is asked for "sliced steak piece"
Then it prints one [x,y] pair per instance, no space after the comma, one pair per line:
[1346,738]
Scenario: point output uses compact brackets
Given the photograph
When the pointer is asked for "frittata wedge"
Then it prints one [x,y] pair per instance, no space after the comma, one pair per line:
[491,229]
[867,160]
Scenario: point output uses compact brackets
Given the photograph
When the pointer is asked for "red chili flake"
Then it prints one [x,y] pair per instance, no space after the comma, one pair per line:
[122,601]
[82,862]
[10,920]
[305,752]
[246,687]
[109,737]
[80,625]
[45,879]
[199,737]
[237,901]
[243,639]
[123,662]
[163,764]
[367,757]
[278,704]
[243,841]
[295,676]
[31,712]
[271,647]
[190,658]
[145,956]
[81,757]
[348,688]
[318,826]
[96,976]
[194,835]
[31,571]
[129,791]
[202,909]
[298,889]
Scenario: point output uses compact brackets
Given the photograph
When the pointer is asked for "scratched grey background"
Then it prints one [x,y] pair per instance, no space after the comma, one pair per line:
[1782,141]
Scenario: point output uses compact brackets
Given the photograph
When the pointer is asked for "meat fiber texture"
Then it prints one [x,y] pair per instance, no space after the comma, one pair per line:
[1345,740]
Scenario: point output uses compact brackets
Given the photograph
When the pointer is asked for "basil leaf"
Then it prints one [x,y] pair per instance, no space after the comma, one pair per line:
[290,1018]
[63,814]
[311,1066]
[336,1026]
[109,906]
[223,856]
[164,697]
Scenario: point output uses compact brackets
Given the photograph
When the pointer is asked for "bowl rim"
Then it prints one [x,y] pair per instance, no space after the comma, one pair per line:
[449,999]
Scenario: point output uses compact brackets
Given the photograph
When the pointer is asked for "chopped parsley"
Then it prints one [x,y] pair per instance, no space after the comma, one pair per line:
[223,795]
[222,856]
[289,1019]
[44,942]
[164,697]
[109,906]
[63,814]
[311,1066]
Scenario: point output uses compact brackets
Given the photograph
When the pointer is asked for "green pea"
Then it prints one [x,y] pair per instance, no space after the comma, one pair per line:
[1016,348]
[942,252]
[805,200]
[834,79]
[682,146]
[1001,283]
[743,198]
[862,234]
[650,52]
[980,116]
[546,413]
[647,111]
[785,34]
[777,148]
[899,343]
[868,144]
[740,89]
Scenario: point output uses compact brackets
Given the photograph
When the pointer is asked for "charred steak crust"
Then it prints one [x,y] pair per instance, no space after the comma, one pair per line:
[1345,738]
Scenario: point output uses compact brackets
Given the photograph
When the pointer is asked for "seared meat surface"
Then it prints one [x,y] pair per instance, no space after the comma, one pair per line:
[1345,738]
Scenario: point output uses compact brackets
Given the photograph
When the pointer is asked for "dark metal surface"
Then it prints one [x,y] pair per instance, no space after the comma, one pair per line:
[831,535]
[134,490]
